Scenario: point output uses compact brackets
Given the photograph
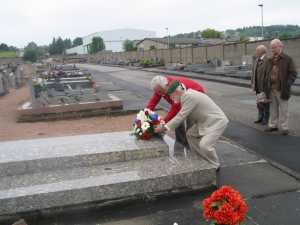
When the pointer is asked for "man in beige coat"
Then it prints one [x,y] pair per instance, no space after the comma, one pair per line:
[209,121]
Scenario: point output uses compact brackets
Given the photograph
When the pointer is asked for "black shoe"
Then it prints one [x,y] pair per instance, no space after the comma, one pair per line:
[285,132]
[218,169]
[271,129]
[258,121]
[264,122]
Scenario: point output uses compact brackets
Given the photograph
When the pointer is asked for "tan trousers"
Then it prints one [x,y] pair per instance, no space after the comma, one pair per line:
[278,112]
[205,145]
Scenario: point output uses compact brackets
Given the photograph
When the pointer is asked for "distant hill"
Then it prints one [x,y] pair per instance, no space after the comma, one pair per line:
[274,31]
[279,31]
[196,34]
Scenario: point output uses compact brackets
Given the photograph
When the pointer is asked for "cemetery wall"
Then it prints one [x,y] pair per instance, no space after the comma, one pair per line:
[233,52]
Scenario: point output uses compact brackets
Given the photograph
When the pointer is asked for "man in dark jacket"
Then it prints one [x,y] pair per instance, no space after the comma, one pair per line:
[280,74]
[257,80]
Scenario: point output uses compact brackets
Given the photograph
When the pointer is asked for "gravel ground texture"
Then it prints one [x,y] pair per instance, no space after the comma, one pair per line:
[11,130]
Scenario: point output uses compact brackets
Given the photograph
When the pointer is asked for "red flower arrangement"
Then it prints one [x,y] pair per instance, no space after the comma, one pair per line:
[225,206]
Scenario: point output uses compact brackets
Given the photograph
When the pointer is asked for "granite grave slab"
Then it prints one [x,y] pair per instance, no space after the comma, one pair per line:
[46,174]
[28,156]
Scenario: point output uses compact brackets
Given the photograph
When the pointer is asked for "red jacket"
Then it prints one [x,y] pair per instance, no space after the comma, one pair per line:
[175,107]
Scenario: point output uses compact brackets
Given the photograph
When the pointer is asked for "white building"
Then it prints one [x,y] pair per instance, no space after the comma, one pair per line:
[113,39]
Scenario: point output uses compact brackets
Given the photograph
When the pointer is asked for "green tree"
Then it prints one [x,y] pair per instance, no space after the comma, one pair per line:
[13,48]
[285,35]
[97,45]
[4,47]
[67,43]
[77,41]
[196,34]
[52,47]
[129,45]
[211,33]
[232,35]
[31,52]
[273,31]
[30,55]
[60,46]
[32,45]
[57,47]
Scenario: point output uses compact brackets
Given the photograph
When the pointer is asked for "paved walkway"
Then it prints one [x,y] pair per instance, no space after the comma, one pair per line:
[271,192]
[284,150]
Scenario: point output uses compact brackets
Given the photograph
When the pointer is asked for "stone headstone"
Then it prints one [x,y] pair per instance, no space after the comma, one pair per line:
[2,90]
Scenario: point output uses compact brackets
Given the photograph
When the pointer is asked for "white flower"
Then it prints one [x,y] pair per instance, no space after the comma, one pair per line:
[138,130]
[141,116]
[145,126]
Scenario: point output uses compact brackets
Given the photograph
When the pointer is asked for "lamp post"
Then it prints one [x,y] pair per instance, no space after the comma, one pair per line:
[167,29]
[262,19]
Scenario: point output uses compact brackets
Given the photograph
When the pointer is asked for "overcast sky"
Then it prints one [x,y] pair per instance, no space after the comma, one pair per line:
[22,21]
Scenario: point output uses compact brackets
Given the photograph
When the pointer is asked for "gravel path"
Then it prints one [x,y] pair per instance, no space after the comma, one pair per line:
[11,130]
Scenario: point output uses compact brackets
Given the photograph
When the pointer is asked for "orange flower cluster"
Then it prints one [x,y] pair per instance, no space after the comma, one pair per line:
[225,206]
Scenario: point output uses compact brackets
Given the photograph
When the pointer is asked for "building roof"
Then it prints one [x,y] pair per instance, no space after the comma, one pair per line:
[185,41]
[213,41]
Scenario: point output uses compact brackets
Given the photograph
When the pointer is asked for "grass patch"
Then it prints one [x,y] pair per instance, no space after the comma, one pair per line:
[8,54]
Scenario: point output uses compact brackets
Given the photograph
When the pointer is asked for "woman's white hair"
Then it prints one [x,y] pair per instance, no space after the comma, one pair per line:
[262,48]
[159,81]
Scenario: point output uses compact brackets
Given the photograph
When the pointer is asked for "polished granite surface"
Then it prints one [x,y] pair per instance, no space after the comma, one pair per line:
[30,156]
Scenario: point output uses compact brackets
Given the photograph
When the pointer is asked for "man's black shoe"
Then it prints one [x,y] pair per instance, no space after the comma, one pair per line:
[271,129]
[258,121]
[285,132]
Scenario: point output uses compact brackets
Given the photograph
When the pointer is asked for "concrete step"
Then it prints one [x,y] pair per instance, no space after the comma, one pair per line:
[103,183]
[32,156]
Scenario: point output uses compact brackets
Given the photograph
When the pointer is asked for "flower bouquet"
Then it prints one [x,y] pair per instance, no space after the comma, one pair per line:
[225,207]
[143,126]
